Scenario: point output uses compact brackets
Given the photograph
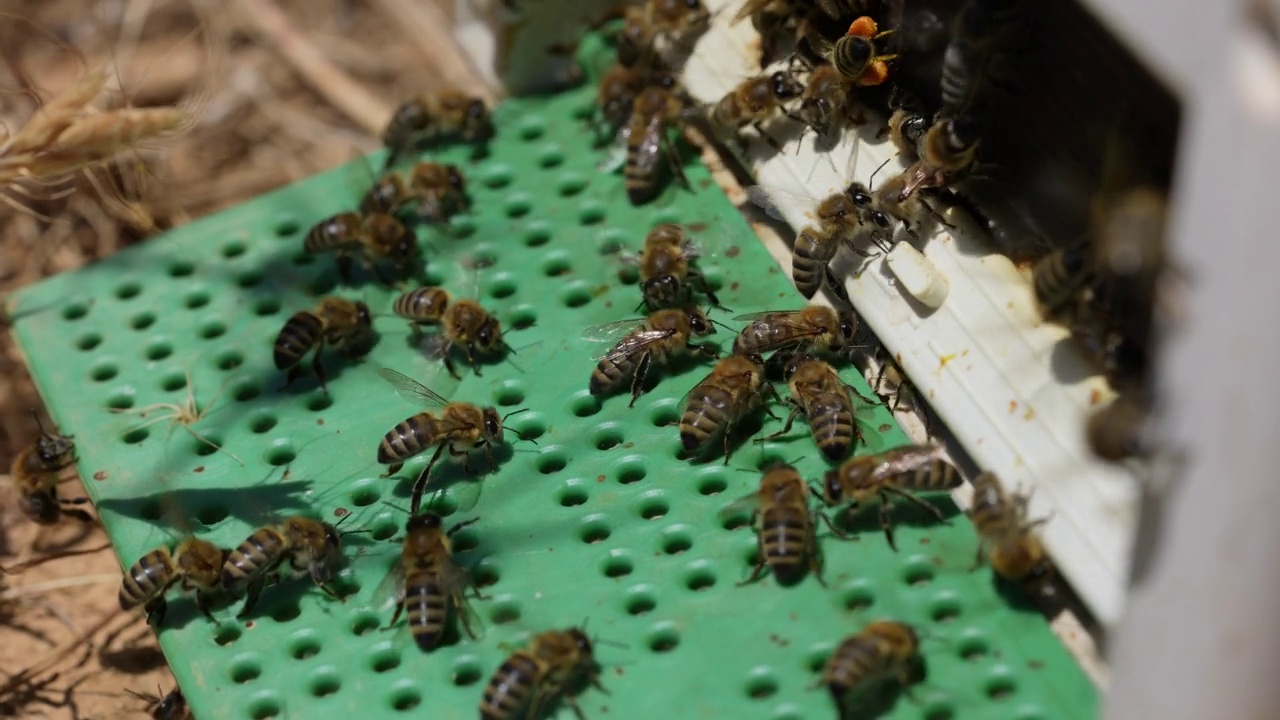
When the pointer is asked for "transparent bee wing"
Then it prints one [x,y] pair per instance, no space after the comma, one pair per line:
[616,154]
[411,390]
[649,149]
[459,579]
[636,342]
[390,590]
[433,346]
[746,504]
[753,316]
[775,201]
[359,176]
[611,332]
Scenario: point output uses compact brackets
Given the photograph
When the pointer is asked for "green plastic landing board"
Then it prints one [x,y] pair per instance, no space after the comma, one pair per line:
[599,522]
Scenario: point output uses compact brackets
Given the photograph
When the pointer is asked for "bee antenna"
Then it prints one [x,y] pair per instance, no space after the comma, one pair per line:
[871,182]
[396,507]
[717,322]
[514,412]
[39,422]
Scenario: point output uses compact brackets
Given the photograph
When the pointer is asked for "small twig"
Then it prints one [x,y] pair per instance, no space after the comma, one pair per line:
[20,567]
[44,587]
[427,27]
[335,86]
[58,653]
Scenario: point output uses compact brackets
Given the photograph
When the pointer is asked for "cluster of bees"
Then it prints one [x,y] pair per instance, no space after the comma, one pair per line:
[639,101]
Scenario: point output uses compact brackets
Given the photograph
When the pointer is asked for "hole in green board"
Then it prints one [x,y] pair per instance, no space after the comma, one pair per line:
[364,624]
[286,227]
[120,400]
[480,258]
[712,485]
[497,177]
[324,684]
[945,609]
[128,290]
[555,265]
[264,708]
[210,515]
[816,660]
[466,673]
[530,425]
[700,579]
[365,496]
[502,287]
[1000,688]
[319,401]
[384,660]
[652,508]
[434,276]
[286,613]
[464,541]
[550,157]
[939,712]
[517,206]
[662,639]
[973,649]
[571,185]
[181,268]
[591,214]
[249,278]
[88,341]
[75,311]
[462,227]
[676,540]
[631,471]
[611,241]
[211,330]
[142,321]
[918,574]
[485,574]
[858,598]
[551,460]
[536,235]
[228,360]
[135,436]
[594,530]
[523,316]
[734,520]
[664,415]
[173,381]
[571,496]
[280,454]
[235,248]
[584,404]
[246,391]
[226,635]
[617,565]
[640,603]
[607,436]
[303,258]
[245,670]
[531,130]
[504,613]
[158,350]
[266,306]
[760,687]
[197,299]
[303,647]
[405,699]
[385,529]
[509,393]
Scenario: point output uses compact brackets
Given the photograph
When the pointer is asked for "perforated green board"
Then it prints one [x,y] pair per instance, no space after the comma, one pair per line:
[599,522]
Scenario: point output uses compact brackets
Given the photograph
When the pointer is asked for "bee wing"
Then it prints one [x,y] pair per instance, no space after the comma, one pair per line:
[611,332]
[359,176]
[457,578]
[636,342]
[648,151]
[775,201]
[753,316]
[411,390]
[390,590]
[708,240]
[433,346]
[748,503]
[616,155]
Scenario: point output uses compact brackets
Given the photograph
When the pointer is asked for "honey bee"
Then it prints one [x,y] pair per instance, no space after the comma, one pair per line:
[824,399]
[1130,244]
[1059,280]
[660,338]
[173,706]
[655,110]
[910,209]
[775,20]
[36,471]
[536,676]
[813,329]
[855,55]
[674,21]
[906,129]
[786,529]
[948,149]
[462,322]
[376,239]
[452,114]
[305,544]
[826,104]
[1118,431]
[755,101]
[902,472]
[436,192]
[665,272]
[985,35]
[841,217]
[721,400]
[342,323]
[461,427]
[195,564]
[428,580]
[1007,540]
[884,649]
[615,97]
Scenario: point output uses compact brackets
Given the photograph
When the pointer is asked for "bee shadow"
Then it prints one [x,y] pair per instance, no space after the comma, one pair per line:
[739,436]
[174,510]
[879,697]
[866,518]
[449,473]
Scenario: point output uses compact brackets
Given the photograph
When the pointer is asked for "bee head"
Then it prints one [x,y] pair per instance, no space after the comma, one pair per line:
[848,325]
[859,194]
[41,508]
[854,50]
[581,640]
[492,426]
[662,291]
[832,487]
[456,180]
[363,314]
[423,521]
[794,364]
[698,321]
[784,86]
[478,123]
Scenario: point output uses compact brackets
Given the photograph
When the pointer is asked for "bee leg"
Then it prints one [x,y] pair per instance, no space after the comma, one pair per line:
[156,610]
[937,217]
[836,287]
[637,381]
[706,289]
[317,368]
[395,617]
[327,590]
[886,521]
[673,156]
[815,558]
[933,509]
[251,595]
[773,142]
[460,609]
[202,604]
[786,428]
[392,469]
[979,558]
[756,571]
[420,483]
[831,525]
[343,263]
[448,361]
[76,513]
[471,359]
[572,702]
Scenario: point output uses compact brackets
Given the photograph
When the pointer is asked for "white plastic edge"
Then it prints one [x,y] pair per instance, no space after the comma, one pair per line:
[983,360]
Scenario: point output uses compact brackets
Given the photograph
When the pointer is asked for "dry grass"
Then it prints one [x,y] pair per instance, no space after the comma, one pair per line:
[116,126]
